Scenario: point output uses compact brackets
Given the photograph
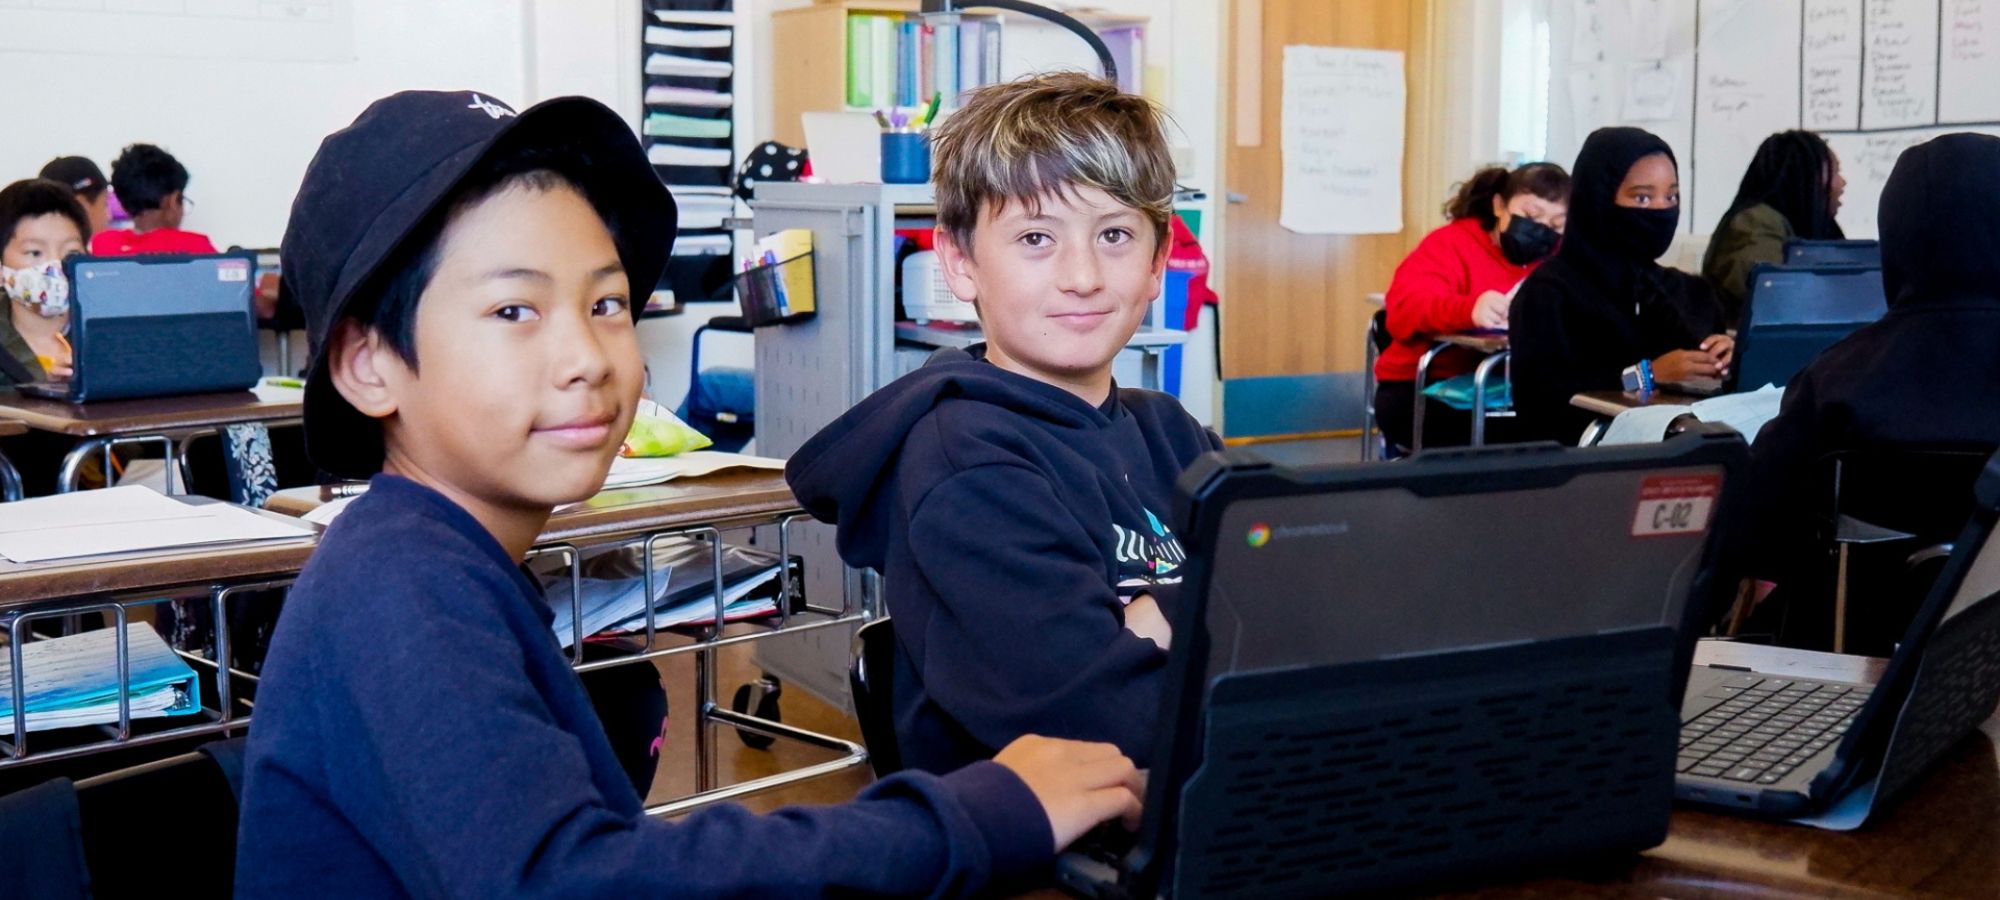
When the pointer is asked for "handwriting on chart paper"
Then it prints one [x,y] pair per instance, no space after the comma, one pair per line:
[1342,141]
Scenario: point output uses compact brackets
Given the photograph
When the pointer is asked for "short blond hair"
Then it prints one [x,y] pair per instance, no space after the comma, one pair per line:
[1044,136]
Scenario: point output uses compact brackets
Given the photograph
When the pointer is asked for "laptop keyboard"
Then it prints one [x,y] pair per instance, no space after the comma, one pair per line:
[1761,728]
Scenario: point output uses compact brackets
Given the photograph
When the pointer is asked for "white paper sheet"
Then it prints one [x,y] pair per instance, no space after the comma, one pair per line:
[1342,141]
[1643,424]
[1746,412]
[636,472]
[126,519]
[670,64]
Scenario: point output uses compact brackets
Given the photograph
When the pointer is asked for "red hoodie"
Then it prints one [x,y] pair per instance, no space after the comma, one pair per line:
[1433,293]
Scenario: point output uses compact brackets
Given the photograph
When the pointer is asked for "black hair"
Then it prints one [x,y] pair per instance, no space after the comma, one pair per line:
[1474,196]
[31,197]
[1792,172]
[145,175]
[390,308]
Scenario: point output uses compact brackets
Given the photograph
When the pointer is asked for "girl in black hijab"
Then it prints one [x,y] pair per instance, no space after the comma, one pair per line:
[1603,306]
[1791,190]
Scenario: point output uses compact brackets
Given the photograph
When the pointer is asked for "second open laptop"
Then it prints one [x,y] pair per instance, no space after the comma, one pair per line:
[155,326]
[1794,747]
[1387,675]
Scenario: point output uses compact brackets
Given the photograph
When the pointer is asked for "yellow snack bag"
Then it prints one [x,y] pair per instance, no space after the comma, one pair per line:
[658,432]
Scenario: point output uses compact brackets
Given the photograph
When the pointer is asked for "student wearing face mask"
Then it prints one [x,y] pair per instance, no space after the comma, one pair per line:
[1503,224]
[1791,190]
[1603,314]
[40,223]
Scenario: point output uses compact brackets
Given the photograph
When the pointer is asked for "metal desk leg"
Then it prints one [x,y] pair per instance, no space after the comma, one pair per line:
[1417,415]
[72,464]
[1479,378]
[1149,369]
[10,480]
[285,352]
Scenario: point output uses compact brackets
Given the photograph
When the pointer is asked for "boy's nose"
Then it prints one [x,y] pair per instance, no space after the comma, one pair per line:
[1078,271]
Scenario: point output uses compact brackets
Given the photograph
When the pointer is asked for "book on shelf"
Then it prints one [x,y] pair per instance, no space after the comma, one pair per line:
[896,60]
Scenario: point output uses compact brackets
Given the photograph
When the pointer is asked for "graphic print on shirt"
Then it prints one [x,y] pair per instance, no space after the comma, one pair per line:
[1149,557]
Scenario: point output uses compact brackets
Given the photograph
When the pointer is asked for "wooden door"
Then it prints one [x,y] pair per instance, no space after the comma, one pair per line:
[1297,304]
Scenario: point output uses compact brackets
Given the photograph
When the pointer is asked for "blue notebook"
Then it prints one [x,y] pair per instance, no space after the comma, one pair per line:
[73,680]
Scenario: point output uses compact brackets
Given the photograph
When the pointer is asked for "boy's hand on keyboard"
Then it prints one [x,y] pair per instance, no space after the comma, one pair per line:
[1143,618]
[1079,784]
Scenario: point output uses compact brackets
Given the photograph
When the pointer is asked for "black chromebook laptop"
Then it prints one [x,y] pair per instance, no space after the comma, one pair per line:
[1385,676]
[157,326]
[1791,747]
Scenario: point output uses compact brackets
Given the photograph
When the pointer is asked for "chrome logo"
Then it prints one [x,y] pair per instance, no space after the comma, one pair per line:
[1260,534]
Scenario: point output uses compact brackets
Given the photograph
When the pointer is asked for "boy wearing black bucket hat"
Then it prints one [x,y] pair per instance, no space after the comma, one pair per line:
[467,277]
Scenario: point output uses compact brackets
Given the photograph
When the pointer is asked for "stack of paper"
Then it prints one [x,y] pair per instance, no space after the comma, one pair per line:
[689,66]
[614,588]
[627,473]
[128,519]
[1746,412]
[667,95]
[662,36]
[73,680]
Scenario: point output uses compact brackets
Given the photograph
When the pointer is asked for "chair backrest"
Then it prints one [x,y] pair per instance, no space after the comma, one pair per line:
[169,823]
[870,677]
[1794,314]
[1840,253]
[41,844]
[1924,492]
[1378,330]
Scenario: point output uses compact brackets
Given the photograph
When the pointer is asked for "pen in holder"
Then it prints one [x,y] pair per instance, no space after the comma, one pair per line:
[777,291]
[906,157]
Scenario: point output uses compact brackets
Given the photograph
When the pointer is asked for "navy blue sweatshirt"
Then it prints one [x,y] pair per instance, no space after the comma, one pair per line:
[419,734]
[1011,522]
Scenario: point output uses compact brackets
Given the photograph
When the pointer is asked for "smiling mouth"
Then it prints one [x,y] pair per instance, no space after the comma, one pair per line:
[580,434]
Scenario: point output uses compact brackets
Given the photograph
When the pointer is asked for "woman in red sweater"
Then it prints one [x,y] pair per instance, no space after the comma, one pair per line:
[1459,279]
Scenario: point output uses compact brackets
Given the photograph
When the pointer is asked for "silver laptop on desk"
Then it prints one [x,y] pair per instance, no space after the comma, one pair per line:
[1792,747]
[157,326]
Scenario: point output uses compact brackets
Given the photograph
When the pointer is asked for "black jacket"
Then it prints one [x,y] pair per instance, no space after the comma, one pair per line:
[1927,375]
[1011,521]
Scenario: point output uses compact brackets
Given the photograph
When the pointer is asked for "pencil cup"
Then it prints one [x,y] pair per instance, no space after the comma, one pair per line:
[906,157]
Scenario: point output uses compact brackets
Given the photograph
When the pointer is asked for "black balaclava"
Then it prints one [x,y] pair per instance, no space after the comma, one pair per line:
[1789,173]
[1612,246]
[1937,220]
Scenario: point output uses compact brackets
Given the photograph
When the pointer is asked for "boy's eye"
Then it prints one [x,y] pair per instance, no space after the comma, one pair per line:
[609,306]
[516,312]
[1036,239]
[1116,235]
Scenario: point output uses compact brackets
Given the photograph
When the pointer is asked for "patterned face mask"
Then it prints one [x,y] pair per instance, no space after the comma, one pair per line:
[41,287]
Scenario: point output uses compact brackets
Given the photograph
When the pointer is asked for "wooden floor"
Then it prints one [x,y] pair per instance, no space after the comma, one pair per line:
[738,763]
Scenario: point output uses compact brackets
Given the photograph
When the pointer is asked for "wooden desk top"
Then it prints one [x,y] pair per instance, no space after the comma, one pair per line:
[1610,403]
[1942,840]
[719,499]
[1483,342]
[154,414]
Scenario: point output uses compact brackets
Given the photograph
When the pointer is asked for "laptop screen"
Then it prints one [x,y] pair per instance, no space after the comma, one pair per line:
[1365,574]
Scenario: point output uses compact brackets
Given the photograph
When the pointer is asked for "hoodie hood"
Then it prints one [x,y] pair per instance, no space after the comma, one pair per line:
[841,474]
[1937,221]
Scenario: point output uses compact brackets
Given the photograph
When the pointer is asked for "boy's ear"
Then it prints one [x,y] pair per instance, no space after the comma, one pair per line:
[957,266]
[363,368]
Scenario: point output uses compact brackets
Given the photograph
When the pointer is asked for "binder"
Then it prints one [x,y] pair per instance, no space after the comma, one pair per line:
[72,681]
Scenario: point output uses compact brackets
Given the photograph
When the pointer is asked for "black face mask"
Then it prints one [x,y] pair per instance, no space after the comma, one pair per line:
[1644,233]
[1526,241]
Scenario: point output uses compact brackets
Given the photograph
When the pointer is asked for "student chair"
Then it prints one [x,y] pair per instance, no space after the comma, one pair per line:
[721,401]
[1373,444]
[1904,505]
[870,679]
[163,828]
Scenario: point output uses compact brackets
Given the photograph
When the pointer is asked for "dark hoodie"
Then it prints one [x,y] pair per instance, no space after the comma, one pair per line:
[1011,521]
[1927,374]
[1602,304]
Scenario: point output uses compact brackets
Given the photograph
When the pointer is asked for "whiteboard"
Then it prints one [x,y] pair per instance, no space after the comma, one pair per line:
[1873,76]
[318,30]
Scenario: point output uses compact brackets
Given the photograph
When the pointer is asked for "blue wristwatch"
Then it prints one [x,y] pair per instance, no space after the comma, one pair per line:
[1640,377]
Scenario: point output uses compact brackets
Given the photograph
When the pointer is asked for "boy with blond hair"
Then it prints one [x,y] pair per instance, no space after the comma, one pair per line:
[1013,497]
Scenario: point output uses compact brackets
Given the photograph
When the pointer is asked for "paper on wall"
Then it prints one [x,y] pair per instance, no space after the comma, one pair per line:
[1649,91]
[1342,141]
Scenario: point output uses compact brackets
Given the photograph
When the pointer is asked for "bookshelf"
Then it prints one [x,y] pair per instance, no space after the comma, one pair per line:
[813,46]
[688,49]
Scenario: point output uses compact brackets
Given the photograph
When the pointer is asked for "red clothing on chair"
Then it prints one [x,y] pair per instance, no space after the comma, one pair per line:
[126,242]
[1433,294]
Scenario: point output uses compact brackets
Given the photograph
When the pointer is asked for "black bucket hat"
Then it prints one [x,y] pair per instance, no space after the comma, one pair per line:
[376,182]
